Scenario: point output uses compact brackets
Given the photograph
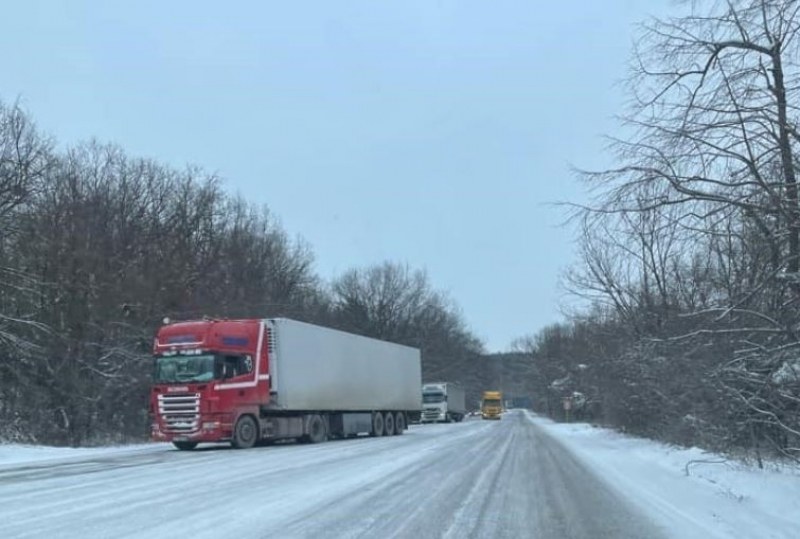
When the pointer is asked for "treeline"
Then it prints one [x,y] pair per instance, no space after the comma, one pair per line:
[97,247]
[690,251]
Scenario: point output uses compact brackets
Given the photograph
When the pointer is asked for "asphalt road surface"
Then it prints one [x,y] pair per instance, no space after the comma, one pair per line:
[482,479]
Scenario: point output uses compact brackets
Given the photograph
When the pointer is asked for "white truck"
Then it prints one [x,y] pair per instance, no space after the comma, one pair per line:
[443,401]
[258,380]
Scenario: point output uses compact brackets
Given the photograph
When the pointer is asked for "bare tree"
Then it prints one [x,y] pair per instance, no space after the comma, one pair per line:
[694,239]
[393,302]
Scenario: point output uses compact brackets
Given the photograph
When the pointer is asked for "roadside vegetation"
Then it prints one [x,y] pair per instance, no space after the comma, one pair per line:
[690,250]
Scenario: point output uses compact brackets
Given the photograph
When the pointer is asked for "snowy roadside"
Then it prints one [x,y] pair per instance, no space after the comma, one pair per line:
[716,500]
[20,454]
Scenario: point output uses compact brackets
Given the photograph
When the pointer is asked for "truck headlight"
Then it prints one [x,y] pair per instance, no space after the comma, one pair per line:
[211,425]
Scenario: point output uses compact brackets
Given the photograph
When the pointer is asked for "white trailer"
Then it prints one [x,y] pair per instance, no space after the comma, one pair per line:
[354,384]
[322,369]
[443,401]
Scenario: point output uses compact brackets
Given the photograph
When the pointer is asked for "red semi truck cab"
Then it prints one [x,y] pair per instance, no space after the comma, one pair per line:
[207,373]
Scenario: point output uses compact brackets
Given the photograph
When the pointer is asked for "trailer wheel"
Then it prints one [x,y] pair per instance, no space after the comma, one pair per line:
[388,424]
[245,435]
[316,431]
[185,446]
[399,423]
[377,424]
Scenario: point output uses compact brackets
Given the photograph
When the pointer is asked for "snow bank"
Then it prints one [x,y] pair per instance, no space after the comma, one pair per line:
[717,499]
[22,454]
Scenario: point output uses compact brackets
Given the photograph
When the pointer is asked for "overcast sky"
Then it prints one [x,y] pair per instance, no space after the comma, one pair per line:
[436,133]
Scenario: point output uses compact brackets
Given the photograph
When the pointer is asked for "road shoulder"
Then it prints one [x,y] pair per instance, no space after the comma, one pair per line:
[716,499]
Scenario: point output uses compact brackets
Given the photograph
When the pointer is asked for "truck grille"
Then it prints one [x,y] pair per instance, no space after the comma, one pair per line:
[180,413]
[430,414]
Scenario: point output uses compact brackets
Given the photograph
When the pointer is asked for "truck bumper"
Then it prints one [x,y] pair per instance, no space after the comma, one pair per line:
[211,430]
[433,415]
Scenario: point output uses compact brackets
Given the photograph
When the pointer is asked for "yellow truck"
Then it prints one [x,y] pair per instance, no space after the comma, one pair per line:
[492,405]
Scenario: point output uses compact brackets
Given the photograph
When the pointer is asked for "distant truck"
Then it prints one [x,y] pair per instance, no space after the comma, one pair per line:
[251,381]
[443,401]
[492,405]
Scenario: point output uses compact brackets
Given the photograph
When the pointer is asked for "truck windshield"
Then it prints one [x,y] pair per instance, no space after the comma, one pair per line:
[430,398]
[491,402]
[184,368]
[201,368]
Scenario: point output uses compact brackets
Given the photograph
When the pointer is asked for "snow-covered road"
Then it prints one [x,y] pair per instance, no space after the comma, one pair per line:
[473,479]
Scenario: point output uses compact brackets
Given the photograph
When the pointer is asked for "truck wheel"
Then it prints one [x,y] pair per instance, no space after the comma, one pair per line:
[388,424]
[399,423]
[185,446]
[377,424]
[245,435]
[316,431]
